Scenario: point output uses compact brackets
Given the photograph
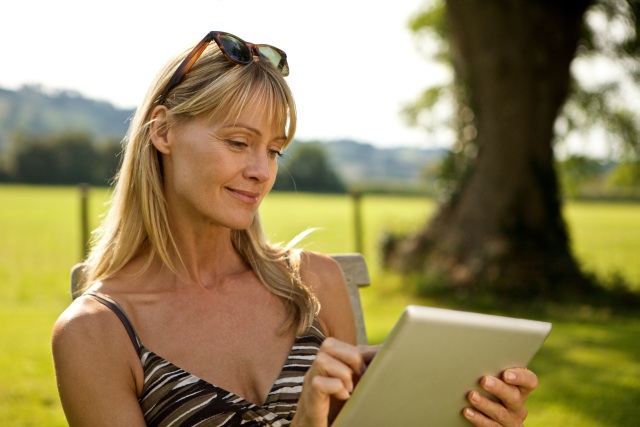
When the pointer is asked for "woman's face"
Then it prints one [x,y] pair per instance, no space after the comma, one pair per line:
[219,173]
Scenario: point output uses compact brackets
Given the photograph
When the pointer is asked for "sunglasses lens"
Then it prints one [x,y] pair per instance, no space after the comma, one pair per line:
[278,59]
[235,49]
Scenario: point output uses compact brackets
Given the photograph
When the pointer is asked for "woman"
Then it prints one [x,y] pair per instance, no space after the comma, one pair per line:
[188,312]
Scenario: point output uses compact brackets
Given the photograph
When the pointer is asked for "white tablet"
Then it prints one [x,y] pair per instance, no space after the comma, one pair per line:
[429,362]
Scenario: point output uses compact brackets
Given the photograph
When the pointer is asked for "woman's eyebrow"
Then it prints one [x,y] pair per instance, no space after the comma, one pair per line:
[242,125]
[252,130]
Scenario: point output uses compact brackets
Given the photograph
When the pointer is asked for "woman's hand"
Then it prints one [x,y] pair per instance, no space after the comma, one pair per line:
[512,390]
[330,381]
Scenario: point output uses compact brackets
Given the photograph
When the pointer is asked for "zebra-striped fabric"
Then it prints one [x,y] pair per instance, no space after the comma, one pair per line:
[173,397]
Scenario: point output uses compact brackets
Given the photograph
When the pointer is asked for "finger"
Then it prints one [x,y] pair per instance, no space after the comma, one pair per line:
[478,419]
[328,386]
[486,412]
[368,352]
[510,396]
[523,378]
[326,365]
[314,403]
[346,353]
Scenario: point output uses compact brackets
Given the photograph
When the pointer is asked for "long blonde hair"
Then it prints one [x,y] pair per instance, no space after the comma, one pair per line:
[137,220]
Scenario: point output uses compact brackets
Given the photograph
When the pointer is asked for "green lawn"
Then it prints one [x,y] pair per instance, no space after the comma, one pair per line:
[589,368]
[606,237]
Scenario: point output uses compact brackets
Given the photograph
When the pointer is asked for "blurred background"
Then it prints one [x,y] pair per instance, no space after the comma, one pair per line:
[483,156]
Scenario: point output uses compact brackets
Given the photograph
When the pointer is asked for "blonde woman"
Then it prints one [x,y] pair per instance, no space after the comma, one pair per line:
[187,314]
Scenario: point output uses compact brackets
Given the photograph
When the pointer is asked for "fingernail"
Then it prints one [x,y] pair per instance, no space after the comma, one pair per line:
[469,413]
[489,383]
[475,397]
[509,375]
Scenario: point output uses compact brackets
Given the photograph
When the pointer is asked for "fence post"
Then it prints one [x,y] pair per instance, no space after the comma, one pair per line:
[356,196]
[84,219]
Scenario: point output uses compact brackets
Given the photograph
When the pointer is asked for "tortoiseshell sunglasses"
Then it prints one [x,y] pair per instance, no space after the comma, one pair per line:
[235,49]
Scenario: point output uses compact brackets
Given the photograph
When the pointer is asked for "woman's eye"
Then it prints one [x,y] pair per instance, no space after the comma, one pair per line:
[238,144]
[275,153]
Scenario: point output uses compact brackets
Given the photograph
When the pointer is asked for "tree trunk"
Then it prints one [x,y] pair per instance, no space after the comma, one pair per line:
[503,228]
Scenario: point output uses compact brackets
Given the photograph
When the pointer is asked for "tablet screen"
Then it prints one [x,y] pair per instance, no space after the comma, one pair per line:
[429,362]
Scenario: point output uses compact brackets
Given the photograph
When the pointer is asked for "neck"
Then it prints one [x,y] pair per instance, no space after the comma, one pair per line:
[205,257]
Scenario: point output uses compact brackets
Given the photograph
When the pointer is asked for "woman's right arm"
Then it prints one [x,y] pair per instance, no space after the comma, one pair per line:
[97,368]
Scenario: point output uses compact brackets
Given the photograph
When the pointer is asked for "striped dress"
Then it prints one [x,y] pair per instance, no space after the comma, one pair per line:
[174,397]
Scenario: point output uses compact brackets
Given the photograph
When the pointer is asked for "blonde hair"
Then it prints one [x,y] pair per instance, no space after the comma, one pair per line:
[137,220]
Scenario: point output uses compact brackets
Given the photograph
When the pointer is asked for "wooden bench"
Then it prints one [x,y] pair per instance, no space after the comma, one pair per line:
[356,274]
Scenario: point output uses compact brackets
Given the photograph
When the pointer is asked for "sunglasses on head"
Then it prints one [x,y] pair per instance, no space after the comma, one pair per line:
[235,50]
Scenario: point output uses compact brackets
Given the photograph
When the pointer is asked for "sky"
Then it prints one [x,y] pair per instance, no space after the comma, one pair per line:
[354,63]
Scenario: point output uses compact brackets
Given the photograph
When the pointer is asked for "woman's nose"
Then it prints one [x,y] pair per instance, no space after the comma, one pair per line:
[259,167]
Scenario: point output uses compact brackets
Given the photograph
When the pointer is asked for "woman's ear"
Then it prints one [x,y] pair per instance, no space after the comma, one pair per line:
[159,129]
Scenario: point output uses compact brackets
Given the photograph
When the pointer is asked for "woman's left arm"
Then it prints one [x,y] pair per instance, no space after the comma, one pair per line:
[512,390]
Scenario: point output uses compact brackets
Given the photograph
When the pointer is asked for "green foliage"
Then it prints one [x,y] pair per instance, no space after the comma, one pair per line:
[588,109]
[611,36]
[447,105]
[430,26]
[584,177]
[627,176]
[64,158]
[37,115]
[346,164]
[432,21]
[620,45]
[307,169]
[578,172]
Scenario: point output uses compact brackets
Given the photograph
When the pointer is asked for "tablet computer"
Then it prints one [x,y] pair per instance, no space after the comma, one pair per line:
[429,362]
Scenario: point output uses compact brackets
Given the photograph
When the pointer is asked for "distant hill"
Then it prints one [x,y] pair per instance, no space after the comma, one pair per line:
[35,111]
[360,162]
[366,165]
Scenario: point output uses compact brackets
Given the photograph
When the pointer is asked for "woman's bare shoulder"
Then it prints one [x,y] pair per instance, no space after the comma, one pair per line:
[321,272]
[82,313]
[89,329]
[97,367]
[78,325]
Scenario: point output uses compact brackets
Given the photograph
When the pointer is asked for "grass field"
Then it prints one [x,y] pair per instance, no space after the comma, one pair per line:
[588,368]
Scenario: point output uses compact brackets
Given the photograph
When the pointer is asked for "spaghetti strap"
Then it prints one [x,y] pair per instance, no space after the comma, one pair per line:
[113,306]
[171,395]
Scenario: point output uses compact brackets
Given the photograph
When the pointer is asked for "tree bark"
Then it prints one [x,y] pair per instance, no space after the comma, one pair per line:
[503,228]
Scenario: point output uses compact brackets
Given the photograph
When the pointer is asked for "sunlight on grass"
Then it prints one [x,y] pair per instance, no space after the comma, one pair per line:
[606,237]
[28,396]
[589,367]
[589,374]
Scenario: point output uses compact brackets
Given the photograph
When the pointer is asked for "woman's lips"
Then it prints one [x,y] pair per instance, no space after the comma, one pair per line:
[246,196]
